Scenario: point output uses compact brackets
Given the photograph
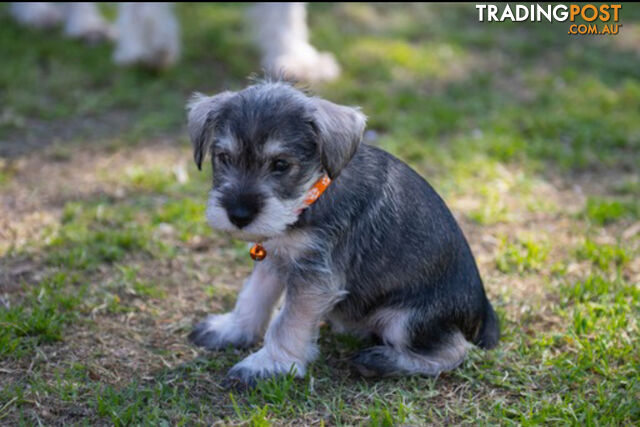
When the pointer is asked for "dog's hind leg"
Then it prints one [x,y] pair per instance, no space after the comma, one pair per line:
[403,354]
[386,360]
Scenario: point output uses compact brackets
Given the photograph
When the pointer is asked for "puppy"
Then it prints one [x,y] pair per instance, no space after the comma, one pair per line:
[378,254]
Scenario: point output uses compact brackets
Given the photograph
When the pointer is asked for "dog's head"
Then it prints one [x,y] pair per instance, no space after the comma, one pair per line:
[269,143]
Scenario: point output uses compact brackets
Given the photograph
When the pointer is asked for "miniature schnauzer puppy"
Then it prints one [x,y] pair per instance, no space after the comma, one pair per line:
[379,254]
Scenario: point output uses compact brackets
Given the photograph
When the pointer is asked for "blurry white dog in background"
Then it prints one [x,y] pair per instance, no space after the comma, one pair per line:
[149,34]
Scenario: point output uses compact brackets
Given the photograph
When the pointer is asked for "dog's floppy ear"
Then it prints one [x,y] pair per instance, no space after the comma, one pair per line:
[202,114]
[339,131]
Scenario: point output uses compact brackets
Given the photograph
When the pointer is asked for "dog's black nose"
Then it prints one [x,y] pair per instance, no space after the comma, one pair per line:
[242,215]
[242,205]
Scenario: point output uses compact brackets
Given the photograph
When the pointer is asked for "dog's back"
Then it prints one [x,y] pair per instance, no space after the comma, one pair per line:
[410,275]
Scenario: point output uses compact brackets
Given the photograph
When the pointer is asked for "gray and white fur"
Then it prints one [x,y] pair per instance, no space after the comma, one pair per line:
[378,254]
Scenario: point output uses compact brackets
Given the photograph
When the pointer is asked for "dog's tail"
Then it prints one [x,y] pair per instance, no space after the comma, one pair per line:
[489,332]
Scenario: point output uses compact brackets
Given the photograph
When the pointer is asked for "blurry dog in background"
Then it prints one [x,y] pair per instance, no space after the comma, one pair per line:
[148,34]
[378,254]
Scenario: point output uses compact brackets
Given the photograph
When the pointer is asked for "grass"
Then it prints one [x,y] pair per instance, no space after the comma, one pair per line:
[603,255]
[106,261]
[603,211]
[525,255]
[45,310]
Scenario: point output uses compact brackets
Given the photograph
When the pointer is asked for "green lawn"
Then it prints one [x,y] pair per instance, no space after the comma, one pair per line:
[532,137]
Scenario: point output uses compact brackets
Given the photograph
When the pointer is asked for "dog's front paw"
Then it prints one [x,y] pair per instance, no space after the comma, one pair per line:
[304,62]
[92,35]
[219,331]
[261,365]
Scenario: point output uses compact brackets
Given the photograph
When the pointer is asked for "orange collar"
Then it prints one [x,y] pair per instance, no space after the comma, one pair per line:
[257,251]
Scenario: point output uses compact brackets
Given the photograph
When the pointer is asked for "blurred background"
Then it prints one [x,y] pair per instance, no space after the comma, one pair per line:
[531,135]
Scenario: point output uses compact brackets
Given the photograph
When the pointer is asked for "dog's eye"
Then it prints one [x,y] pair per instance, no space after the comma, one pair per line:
[280,165]
[223,158]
